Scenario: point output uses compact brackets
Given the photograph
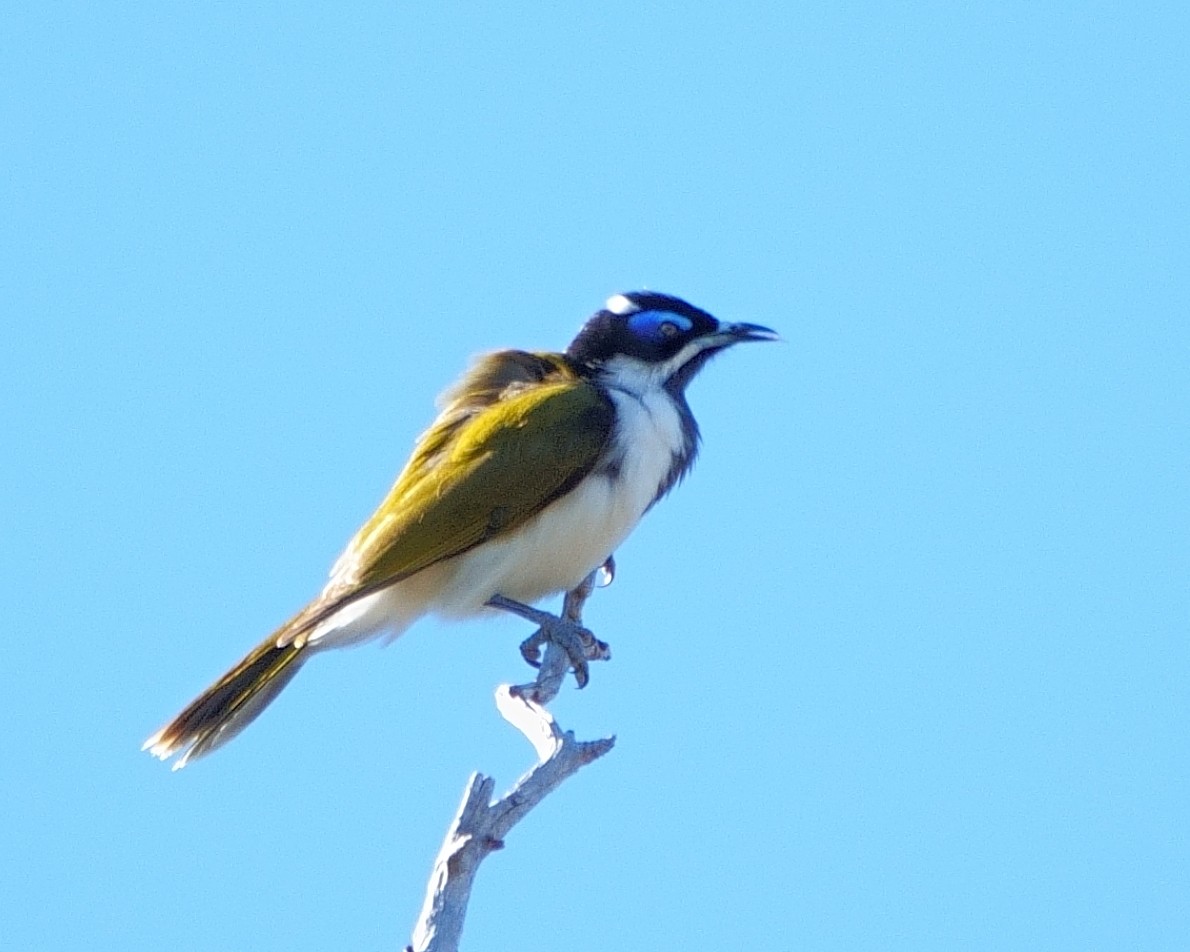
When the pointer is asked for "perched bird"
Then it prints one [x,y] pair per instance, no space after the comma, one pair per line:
[536,469]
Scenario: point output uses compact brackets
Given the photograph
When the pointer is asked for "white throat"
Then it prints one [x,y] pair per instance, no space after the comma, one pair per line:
[640,377]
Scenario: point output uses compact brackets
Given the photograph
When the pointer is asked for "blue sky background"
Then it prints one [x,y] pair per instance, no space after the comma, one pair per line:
[904,665]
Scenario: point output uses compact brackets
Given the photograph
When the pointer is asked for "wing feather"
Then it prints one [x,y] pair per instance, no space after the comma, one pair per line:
[518,432]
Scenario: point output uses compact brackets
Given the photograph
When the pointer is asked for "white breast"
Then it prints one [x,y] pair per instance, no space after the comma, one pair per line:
[556,549]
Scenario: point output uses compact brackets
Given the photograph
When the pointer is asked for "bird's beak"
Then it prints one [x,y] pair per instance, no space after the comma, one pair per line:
[738,333]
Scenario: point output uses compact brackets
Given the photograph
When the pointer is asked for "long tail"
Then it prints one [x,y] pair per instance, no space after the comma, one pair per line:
[230,704]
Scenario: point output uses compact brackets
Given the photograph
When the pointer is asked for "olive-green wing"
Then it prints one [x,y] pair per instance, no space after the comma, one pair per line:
[469,481]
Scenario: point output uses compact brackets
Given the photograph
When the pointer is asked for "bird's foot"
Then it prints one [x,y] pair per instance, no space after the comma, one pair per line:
[578,643]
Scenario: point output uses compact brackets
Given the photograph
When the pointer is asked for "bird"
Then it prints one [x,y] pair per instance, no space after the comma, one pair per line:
[535,470]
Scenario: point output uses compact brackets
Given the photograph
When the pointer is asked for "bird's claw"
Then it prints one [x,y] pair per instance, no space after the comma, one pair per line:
[531,649]
[567,632]
[580,645]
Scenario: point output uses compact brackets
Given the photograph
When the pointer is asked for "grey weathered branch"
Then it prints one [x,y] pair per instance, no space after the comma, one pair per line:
[480,826]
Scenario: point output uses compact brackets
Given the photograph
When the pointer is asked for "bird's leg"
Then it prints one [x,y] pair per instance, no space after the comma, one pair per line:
[572,610]
[567,631]
[576,598]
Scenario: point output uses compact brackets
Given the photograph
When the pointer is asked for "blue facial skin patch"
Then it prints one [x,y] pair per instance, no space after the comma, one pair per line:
[647,324]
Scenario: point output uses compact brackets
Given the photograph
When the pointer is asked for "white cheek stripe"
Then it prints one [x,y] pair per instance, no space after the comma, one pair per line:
[640,378]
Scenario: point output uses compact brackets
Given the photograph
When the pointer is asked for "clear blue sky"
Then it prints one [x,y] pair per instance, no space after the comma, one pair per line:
[904,665]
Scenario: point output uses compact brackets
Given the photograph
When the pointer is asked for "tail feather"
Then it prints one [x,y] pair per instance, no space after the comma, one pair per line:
[230,704]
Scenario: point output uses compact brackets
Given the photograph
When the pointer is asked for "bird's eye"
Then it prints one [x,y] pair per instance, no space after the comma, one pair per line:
[659,325]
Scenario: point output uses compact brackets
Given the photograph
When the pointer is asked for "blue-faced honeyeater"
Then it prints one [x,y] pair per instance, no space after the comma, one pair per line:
[537,467]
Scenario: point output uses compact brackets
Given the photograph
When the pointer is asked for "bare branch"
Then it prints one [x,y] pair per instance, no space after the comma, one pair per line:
[480,826]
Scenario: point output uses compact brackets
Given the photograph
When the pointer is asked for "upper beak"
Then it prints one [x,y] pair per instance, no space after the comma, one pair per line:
[737,333]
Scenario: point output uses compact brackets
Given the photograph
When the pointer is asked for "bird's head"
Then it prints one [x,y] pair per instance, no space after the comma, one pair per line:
[642,340]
